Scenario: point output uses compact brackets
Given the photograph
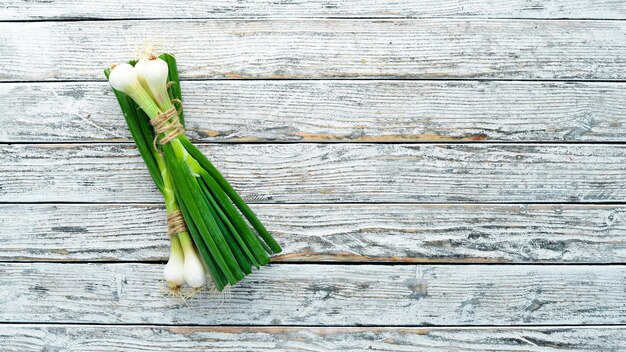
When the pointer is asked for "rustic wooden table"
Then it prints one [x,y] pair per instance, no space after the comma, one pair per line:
[443,174]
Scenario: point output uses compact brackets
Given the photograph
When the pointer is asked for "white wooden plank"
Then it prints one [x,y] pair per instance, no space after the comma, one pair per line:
[325,173]
[503,49]
[53,337]
[327,111]
[307,294]
[149,9]
[333,232]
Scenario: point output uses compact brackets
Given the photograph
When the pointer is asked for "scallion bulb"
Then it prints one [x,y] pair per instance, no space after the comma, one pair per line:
[174,271]
[195,275]
[124,78]
[152,74]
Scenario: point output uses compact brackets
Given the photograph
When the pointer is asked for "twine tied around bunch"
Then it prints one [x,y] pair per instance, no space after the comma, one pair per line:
[167,123]
[175,223]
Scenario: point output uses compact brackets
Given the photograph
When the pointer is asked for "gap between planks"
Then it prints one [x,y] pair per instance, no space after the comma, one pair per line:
[314,18]
[513,203]
[330,326]
[319,18]
[327,263]
[347,79]
[269,142]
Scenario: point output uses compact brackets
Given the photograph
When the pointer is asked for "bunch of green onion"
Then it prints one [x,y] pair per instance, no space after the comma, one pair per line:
[216,237]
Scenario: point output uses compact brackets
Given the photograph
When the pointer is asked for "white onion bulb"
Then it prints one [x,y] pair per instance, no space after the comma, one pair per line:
[124,78]
[174,273]
[195,275]
[152,73]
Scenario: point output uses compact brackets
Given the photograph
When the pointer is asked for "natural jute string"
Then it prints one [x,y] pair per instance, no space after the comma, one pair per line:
[168,123]
[175,223]
[180,103]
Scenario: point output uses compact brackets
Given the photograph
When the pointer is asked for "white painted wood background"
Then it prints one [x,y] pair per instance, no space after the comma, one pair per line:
[444,175]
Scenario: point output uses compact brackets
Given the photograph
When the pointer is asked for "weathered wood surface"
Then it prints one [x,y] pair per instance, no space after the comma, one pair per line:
[149,9]
[53,337]
[503,49]
[308,294]
[450,71]
[332,232]
[323,173]
[327,111]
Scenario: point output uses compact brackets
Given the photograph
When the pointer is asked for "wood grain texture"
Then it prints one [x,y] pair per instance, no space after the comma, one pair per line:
[307,294]
[150,9]
[363,71]
[329,111]
[334,232]
[325,173]
[502,49]
[56,337]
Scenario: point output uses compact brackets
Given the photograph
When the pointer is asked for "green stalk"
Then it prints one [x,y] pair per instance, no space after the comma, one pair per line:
[232,194]
[174,89]
[208,217]
[234,245]
[253,241]
[130,111]
[171,205]
[218,277]
[259,253]
[188,187]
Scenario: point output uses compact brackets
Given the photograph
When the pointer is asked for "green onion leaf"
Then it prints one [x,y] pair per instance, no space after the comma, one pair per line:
[232,194]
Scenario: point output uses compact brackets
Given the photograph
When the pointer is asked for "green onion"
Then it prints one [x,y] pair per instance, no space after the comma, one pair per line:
[148,91]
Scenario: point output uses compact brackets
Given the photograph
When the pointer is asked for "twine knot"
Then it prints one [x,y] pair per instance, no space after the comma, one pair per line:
[175,223]
[167,123]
